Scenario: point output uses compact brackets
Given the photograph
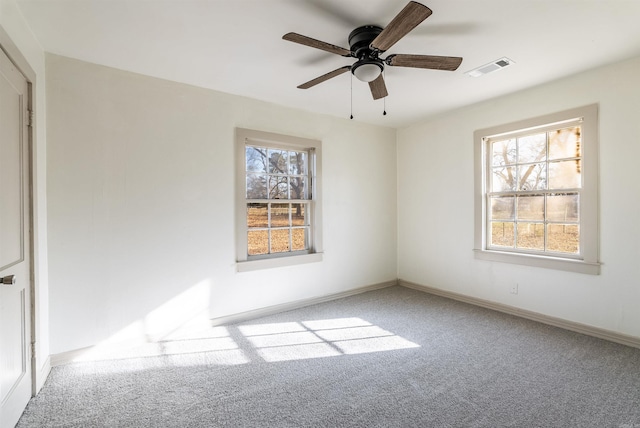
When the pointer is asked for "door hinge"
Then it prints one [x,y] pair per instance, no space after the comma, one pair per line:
[30,118]
[33,350]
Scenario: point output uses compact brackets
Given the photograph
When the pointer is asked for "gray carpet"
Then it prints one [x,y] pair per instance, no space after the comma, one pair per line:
[389,358]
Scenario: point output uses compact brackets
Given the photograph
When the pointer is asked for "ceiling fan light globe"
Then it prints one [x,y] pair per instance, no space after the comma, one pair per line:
[367,72]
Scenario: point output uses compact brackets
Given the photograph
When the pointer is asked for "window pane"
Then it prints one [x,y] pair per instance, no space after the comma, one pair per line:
[502,234]
[503,179]
[277,161]
[532,148]
[279,173]
[257,215]
[563,238]
[279,215]
[299,239]
[532,177]
[565,175]
[297,163]
[502,207]
[298,188]
[565,143]
[531,236]
[258,242]
[280,240]
[256,159]
[256,186]
[278,187]
[531,207]
[503,152]
[539,198]
[299,215]
[563,207]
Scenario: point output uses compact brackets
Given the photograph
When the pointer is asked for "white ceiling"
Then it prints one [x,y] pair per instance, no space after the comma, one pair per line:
[236,46]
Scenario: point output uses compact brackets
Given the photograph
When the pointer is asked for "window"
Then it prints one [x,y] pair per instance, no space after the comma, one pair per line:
[278,200]
[536,192]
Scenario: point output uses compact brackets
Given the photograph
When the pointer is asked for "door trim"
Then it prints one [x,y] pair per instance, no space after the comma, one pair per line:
[40,364]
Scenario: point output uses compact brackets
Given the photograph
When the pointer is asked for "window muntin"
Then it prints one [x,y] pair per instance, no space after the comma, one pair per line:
[534,188]
[515,213]
[277,198]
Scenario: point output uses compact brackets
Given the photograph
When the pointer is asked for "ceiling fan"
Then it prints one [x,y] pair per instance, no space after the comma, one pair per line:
[368,42]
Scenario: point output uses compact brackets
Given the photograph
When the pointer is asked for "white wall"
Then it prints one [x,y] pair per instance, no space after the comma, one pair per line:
[18,40]
[141,204]
[436,211]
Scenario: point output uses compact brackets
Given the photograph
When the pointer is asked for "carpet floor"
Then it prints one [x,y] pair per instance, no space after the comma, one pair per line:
[394,357]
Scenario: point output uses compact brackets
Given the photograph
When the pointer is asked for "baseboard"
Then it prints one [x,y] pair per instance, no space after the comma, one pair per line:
[69,356]
[272,310]
[600,333]
[42,374]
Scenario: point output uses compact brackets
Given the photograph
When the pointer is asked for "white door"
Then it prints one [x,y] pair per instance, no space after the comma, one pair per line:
[15,253]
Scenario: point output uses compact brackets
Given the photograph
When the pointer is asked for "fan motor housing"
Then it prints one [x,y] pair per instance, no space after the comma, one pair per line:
[361,38]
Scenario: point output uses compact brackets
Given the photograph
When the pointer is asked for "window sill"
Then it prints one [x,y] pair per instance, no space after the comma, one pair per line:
[251,265]
[569,265]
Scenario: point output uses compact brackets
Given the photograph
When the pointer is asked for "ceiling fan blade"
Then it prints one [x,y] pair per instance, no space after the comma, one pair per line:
[449,63]
[378,88]
[308,41]
[324,77]
[408,18]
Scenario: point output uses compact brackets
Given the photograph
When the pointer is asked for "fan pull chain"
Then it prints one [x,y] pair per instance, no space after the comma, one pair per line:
[351,95]
[384,100]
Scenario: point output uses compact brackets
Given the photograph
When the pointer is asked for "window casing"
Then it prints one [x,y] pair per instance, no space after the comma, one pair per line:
[278,207]
[536,192]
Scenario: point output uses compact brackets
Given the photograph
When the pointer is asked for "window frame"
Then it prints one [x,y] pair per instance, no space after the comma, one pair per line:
[588,260]
[249,137]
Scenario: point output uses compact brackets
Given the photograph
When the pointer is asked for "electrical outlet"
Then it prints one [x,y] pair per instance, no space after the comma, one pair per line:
[514,288]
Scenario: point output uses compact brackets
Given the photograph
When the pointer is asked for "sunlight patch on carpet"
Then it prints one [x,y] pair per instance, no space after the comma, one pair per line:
[320,339]
[203,344]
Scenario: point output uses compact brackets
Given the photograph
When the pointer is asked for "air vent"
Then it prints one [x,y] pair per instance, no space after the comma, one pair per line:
[496,65]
